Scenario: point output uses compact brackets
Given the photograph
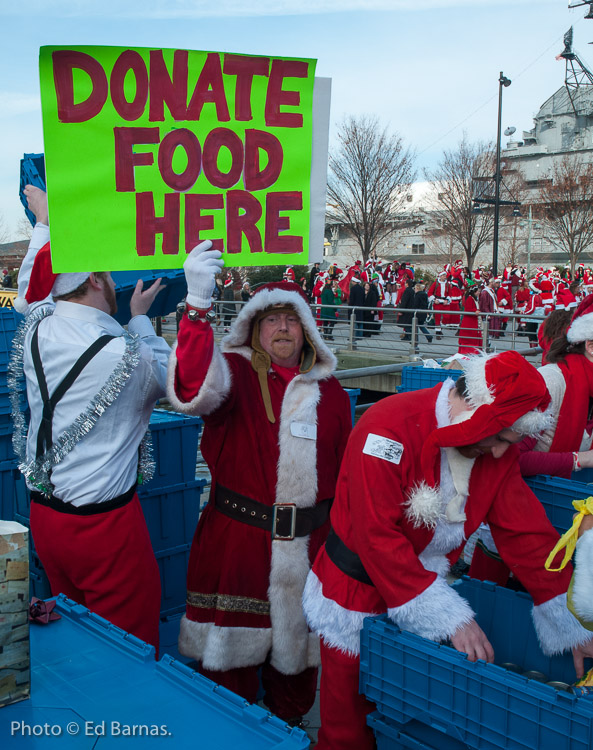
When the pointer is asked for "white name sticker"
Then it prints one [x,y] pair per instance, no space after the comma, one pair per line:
[382,447]
[303,430]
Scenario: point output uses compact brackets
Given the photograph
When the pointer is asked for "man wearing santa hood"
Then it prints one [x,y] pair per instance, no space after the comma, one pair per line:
[421,472]
[91,388]
[276,426]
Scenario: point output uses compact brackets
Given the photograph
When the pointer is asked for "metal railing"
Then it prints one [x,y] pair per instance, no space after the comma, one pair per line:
[380,332]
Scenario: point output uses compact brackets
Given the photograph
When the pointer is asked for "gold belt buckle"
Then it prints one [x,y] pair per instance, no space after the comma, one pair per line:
[283,507]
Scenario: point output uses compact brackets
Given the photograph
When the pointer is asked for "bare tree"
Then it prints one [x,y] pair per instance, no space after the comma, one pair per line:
[4,230]
[566,206]
[454,182]
[24,230]
[369,176]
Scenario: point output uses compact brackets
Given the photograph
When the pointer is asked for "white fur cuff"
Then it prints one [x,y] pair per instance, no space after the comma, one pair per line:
[220,649]
[213,391]
[435,614]
[557,629]
[339,627]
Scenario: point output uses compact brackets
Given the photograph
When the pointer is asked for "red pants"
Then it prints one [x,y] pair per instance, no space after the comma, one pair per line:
[488,567]
[287,696]
[343,709]
[105,562]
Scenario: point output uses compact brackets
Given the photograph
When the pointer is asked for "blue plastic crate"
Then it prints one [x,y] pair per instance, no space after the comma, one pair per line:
[415,378]
[166,300]
[169,636]
[390,736]
[175,440]
[86,670]
[173,569]
[556,495]
[585,476]
[9,321]
[11,483]
[172,513]
[6,451]
[427,687]
[353,394]
[32,173]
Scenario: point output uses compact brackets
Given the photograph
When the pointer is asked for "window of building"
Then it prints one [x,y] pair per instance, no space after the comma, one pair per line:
[418,248]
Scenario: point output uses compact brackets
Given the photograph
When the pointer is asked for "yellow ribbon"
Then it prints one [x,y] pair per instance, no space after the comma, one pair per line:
[570,538]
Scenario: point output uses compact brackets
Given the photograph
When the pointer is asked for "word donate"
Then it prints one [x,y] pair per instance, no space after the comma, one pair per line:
[149,152]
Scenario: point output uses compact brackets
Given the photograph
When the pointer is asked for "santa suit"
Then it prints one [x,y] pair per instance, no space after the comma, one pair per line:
[317,289]
[504,302]
[244,605]
[548,296]
[397,526]
[535,307]
[522,297]
[289,274]
[456,295]
[439,294]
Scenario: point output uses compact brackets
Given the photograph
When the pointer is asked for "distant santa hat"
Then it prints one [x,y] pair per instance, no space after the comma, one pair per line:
[358,262]
[581,325]
[228,281]
[355,279]
[43,281]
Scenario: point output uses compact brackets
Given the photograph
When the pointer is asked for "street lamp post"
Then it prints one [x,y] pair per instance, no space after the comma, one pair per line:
[502,81]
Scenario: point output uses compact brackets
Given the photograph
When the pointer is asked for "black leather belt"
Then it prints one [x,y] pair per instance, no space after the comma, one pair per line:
[283,520]
[346,560]
[90,509]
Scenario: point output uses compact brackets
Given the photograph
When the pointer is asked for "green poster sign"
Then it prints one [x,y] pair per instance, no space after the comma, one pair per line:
[150,151]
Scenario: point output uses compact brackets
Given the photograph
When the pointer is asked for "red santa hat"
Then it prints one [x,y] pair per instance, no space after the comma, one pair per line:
[504,392]
[581,325]
[43,281]
[228,281]
[358,262]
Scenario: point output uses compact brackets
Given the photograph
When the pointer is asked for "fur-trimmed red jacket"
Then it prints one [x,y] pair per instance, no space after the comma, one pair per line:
[399,528]
[244,591]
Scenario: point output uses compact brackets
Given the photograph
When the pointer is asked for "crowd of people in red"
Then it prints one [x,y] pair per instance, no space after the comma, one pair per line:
[459,298]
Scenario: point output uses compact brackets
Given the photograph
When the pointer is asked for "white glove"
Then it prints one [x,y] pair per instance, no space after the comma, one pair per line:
[201,267]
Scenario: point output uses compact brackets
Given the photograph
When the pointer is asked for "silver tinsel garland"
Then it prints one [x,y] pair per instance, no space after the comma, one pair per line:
[38,471]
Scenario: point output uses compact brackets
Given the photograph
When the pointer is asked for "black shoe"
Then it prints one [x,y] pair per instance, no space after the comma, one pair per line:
[429,339]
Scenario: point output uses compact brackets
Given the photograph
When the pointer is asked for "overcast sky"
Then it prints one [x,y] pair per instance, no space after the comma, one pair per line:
[427,68]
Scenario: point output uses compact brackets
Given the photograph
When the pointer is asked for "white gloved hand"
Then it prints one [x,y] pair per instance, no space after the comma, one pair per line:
[201,267]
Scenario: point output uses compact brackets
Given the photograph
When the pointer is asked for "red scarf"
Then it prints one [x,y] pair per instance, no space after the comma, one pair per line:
[574,411]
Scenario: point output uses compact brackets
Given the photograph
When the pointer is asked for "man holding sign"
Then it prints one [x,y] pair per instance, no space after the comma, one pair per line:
[91,388]
[276,425]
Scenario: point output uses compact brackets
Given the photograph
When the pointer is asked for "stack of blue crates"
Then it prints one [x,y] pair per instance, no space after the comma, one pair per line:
[102,688]
[171,501]
[430,696]
[415,378]
[11,482]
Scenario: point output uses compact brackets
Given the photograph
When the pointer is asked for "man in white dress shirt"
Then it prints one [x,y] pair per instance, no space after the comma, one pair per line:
[91,388]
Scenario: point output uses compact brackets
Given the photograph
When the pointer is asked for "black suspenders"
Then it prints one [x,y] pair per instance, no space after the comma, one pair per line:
[44,435]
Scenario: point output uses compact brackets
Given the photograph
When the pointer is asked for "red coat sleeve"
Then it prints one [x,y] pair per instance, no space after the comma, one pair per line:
[195,345]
